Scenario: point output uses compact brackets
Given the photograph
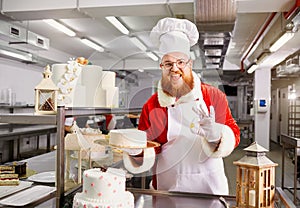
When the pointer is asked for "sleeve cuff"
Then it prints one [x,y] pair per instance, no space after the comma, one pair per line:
[226,145]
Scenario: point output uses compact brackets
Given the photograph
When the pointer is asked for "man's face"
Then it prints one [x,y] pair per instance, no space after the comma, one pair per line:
[177,79]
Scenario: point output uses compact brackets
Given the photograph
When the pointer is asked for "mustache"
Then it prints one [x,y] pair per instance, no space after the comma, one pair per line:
[177,72]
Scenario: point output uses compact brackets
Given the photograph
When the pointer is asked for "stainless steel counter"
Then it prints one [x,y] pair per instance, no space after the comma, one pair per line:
[146,198]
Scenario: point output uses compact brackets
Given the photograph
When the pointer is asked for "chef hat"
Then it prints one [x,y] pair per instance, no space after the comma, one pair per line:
[174,35]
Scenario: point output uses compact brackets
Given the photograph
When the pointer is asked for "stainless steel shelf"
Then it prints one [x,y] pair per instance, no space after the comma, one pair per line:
[58,120]
[99,111]
[28,118]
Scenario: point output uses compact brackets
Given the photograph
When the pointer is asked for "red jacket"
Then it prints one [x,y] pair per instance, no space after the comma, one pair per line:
[154,120]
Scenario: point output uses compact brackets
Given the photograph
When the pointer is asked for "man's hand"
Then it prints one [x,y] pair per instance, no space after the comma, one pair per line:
[208,128]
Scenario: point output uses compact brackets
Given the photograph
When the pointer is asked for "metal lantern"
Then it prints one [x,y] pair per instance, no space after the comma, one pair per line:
[255,182]
[46,94]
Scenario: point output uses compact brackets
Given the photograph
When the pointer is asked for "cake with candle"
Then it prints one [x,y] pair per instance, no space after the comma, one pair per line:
[104,189]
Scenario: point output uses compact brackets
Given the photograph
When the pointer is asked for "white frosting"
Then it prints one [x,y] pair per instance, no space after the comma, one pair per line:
[107,97]
[85,85]
[108,79]
[91,79]
[103,189]
[90,131]
[128,138]
[66,76]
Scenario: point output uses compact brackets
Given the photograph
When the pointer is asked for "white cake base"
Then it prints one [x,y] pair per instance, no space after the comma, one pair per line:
[80,201]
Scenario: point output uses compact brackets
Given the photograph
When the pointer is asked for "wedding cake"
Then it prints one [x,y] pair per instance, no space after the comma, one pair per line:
[103,189]
[82,85]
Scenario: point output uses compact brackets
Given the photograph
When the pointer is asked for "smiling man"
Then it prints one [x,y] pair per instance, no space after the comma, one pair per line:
[191,120]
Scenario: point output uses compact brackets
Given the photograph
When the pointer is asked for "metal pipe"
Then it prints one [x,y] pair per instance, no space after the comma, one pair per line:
[257,38]
[288,14]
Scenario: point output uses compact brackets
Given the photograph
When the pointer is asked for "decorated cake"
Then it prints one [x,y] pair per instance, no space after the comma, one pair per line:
[133,142]
[128,138]
[103,189]
[82,84]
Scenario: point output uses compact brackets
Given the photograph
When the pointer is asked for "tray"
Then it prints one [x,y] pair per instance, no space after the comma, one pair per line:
[27,196]
[44,177]
[8,190]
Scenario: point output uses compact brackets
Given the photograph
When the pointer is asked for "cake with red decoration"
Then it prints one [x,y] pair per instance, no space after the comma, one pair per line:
[104,189]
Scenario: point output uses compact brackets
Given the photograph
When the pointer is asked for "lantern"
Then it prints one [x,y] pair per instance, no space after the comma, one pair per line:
[76,143]
[46,94]
[255,182]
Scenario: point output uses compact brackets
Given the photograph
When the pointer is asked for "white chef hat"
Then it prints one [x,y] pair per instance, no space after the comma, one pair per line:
[174,35]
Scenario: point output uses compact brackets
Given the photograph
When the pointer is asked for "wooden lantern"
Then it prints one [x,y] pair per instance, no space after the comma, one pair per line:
[255,182]
[46,94]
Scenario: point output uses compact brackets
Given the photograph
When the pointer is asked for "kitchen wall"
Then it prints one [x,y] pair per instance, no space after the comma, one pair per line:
[21,78]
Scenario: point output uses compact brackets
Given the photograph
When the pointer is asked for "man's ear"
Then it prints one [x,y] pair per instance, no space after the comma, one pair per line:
[190,63]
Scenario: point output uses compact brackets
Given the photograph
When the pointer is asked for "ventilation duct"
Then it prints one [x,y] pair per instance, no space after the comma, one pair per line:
[215,20]
[20,37]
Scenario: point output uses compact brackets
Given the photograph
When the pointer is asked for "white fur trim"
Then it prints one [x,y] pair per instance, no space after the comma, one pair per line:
[166,100]
[226,146]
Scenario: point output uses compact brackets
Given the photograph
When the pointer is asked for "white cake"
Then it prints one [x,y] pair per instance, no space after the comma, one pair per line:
[91,76]
[104,189]
[128,138]
[85,85]
[107,97]
[67,78]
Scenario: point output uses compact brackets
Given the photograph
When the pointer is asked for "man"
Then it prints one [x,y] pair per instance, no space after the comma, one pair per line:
[191,120]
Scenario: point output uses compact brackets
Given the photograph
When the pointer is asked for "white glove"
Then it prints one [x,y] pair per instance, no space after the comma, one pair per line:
[208,128]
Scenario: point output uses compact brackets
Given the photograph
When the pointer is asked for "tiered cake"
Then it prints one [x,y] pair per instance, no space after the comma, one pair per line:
[85,85]
[104,189]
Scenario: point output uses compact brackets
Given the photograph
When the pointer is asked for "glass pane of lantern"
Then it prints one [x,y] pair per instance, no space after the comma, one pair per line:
[46,98]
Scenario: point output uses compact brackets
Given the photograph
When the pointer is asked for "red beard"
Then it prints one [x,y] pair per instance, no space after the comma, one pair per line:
[181,90]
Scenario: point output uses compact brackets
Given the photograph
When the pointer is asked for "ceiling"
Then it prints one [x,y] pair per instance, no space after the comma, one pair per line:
[87,19]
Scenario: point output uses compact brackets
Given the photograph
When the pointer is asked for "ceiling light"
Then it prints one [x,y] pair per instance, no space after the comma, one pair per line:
[212,60]
[152,56]
[115,22]
[262,57]
[213,41]
[92,44]
[213,52]
[252,68]
[138,43]
[281,41]
[60,27]
[212,66]
[24,57]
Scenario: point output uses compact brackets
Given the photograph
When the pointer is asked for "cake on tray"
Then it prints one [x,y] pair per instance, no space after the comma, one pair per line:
[128,138]
[103,189]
